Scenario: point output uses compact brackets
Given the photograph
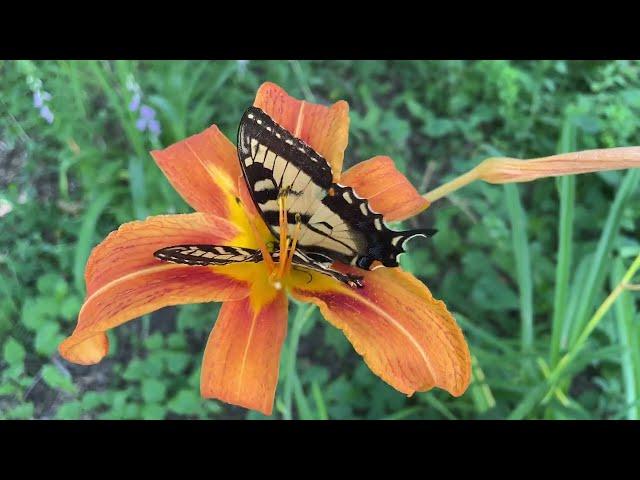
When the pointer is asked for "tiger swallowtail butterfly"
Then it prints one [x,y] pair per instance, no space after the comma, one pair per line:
[335,223]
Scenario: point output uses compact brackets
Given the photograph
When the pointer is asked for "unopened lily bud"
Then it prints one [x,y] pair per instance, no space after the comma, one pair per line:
[509,170]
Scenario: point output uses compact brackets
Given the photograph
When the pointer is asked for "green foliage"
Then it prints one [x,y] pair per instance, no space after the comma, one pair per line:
[522,267]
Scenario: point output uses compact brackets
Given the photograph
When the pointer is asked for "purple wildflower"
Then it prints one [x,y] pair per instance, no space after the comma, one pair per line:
[147,112]
[147,120]
[154,127]
[37,99]
[135,102]
[40,97]
[46,114]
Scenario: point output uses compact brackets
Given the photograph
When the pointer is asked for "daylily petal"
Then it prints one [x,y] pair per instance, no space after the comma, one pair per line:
[242,357]
[325,129]
[124,279]
[389,192]
[203,169]
[406,337]
[88,352]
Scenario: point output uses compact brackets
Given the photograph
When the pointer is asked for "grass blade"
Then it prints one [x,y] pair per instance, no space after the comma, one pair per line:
[600,264]
[628,333]
[302,404]
[480,391]
[404,413]
[319,399]
[85,237]
[568,364]
[567,192]
[137,187]
[523,264]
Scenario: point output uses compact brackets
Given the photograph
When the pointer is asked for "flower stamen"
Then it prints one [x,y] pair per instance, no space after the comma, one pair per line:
[294,243]
[284,223]
[266,254]
[287,244]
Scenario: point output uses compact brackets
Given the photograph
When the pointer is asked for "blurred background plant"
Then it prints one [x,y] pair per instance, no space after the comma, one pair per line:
[524,267]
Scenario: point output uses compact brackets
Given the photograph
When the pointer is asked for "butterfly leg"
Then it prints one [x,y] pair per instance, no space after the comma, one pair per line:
[354,281]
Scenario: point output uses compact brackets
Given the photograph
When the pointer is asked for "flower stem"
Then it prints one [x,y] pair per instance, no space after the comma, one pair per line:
[303,313]
[459,182]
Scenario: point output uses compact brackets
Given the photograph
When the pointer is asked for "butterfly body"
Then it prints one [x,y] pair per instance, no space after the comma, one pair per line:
[291,183]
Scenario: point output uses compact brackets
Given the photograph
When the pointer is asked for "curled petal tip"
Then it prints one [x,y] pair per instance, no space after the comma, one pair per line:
[87,351]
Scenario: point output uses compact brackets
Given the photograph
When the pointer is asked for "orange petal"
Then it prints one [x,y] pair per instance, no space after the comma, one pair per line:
[124,279]
[325,129]
[203,169]
[387,189]
[406,337]
[242,357]
[89,352]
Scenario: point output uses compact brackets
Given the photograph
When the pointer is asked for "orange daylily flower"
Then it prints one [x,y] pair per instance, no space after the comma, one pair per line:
[406,337]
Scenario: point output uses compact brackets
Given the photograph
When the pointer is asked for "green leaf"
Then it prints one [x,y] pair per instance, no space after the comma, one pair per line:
[13,352]
[52,284]
[53,377]
[153,391]
[48,337]
[92,400]
[153,411]
[7,389]
[70,307]
[21,412]
[177,340]
[69,411]
[154,342]
[177,362]
[134,371]
[186,402]
[37,311]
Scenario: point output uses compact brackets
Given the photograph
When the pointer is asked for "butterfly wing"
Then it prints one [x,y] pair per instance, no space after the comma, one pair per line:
[336,223]
[207,254]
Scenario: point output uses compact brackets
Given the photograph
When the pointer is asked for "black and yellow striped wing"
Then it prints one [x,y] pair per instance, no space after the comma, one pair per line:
[207,254]
[336,223]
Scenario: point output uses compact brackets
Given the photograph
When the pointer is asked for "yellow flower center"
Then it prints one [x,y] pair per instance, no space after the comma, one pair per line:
[278,271]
